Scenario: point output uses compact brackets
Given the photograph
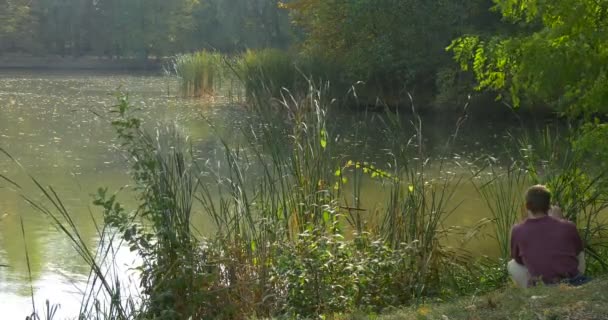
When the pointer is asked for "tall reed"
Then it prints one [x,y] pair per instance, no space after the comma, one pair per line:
[502,190]
[421,197]
[166,183]
[200,73]
[264,73]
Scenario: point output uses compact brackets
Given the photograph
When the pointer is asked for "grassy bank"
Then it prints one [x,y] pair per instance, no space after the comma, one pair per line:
[543,303]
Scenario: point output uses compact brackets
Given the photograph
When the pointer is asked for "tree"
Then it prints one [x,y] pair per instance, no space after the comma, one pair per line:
[143,27]
[558,56]
[140,28]
[390,44]
[14,14]
[230,25]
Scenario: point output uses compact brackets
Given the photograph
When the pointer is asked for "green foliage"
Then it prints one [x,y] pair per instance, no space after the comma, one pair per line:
[286,226]
[236,25]
[593,153]
[555,57]
[136,28]
[199,73]
[390,45]
[166,182]
[12,14]
[266,72]
[15,15]
[323,273]
[277,73]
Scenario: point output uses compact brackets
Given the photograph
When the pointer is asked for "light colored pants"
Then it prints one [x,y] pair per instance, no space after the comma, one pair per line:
[521,276]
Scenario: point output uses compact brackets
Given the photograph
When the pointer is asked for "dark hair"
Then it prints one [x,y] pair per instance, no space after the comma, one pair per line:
[538,199]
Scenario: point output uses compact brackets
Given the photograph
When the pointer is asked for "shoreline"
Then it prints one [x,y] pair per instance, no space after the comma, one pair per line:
[82,63]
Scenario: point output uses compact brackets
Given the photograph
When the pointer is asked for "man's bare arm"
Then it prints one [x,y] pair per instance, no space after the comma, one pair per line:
[581,262]
[556,212]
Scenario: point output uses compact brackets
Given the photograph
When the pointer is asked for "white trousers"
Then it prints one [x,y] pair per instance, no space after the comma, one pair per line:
[520,275]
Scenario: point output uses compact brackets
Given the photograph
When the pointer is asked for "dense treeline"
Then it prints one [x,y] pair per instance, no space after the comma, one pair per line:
[529,52]
[138,28]
[393,46]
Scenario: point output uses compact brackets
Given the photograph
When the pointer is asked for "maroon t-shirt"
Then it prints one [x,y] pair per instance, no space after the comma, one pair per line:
[548,247]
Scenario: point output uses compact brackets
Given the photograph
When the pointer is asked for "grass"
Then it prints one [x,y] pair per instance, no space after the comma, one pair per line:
[263,74]
[200,74]
[266,72]
[502,191]
[543,303]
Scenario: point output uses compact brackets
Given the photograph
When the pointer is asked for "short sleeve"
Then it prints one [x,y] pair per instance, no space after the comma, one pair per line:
[515,252]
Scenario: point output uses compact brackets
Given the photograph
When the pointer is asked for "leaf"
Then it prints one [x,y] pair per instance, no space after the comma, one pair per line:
[326,216]
[323,135]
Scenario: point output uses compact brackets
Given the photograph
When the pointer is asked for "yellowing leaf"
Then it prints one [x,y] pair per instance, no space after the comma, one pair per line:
[323,138]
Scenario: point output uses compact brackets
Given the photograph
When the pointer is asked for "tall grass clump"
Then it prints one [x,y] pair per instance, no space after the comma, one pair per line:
[288,224]
[200,73]
[421,193]
[293,192]
[266,72]
[174,270]
[502,190]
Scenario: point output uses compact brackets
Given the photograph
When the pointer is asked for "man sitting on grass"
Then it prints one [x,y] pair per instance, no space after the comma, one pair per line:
[545,247]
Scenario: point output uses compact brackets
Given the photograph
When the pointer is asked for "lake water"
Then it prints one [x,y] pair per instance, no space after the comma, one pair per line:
[55,125]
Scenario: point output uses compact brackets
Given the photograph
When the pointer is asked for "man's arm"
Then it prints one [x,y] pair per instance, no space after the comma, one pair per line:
[556,212]
[517,270]
[582,266]
[515,254]
[580,249]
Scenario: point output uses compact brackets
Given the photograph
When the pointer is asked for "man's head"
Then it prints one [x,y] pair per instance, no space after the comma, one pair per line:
[538,199]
